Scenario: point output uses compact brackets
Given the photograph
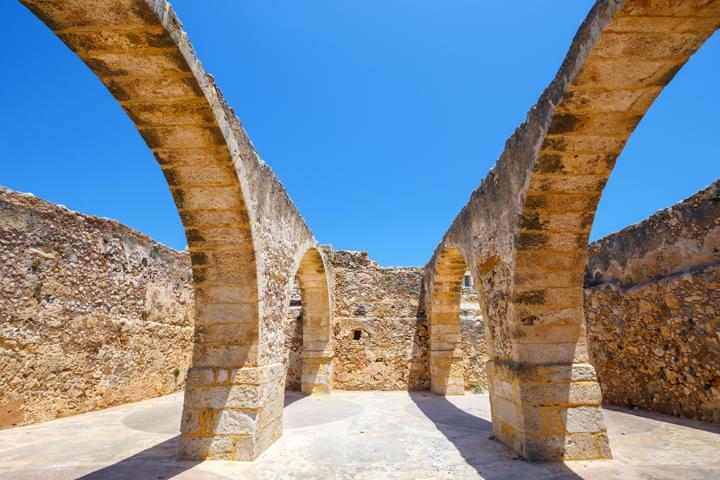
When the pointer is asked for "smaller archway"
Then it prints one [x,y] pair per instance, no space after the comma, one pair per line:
[446,365]
[316,316]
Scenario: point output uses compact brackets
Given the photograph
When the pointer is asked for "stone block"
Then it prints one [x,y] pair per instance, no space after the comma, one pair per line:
[209,356]
[190,422]
[207,448]
[220,313]
[578,393]
[200,376]
[584,419]
[215,198]
[236,422]
[540,353]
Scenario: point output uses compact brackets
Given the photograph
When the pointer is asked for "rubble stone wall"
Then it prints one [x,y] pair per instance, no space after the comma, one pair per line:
[92,313]
[381,333]
[652,306]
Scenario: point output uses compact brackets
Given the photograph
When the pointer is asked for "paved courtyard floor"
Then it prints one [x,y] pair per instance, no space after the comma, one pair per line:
[351,435]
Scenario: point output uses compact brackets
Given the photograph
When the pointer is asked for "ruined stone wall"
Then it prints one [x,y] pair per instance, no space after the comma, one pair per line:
[381,333]
[652,306]
[92,313]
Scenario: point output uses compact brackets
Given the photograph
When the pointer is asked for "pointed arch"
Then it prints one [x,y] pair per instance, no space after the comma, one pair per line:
[525,229]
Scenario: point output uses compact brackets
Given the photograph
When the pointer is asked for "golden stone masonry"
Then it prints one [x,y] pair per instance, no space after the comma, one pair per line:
[513,299]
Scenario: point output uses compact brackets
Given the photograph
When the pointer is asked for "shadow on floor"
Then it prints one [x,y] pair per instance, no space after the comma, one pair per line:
[158,462]
[292,396]
[664,417]
[472,437]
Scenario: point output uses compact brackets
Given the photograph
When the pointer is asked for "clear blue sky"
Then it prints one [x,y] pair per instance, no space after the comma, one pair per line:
[380,117]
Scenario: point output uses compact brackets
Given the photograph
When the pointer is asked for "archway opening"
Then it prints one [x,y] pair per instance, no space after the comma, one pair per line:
[446,359]
[474,346]
[308,346]
[293,331]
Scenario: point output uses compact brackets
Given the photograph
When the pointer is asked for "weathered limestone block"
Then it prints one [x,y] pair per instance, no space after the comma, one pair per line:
[548,413]
[232,414]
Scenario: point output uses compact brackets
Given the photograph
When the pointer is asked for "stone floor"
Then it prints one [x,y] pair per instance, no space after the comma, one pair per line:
[351,435]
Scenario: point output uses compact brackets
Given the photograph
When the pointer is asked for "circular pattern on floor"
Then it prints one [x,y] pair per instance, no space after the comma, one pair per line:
[154,421]
[316,410]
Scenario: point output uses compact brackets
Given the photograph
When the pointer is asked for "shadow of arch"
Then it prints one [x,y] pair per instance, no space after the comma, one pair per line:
[317,316]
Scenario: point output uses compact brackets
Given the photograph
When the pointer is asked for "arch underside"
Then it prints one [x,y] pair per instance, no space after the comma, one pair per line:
[528,259]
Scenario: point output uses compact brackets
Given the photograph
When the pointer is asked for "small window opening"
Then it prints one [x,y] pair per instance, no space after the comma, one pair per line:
[467,281]
[357,334]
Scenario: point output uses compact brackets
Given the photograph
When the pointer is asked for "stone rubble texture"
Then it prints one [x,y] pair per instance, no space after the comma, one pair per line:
[670,351]
[92,313]
[523,235]
[652,304]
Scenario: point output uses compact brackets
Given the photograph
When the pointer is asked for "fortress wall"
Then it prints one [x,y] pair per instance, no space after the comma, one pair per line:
[383,307]
[92,313]
[652,306]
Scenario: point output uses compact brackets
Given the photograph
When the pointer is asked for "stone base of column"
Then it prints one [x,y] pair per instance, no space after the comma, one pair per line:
[232,414]
[548,412]
[317,372]
[446,373]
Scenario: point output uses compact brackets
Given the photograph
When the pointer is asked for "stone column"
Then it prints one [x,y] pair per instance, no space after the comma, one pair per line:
[546,398]
[446,372]
[317,372]
[446,369]
[548,412]
[233,405]
[232,414]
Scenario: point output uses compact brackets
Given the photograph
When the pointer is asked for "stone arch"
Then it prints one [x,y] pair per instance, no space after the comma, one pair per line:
[317,356]
[638,49]
[526,227]
[631,51]
[446,369]
[138,49]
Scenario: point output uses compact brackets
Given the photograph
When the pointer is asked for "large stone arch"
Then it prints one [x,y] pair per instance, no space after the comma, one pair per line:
[525,229]
[313,275]
[243,231]
[443,311]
